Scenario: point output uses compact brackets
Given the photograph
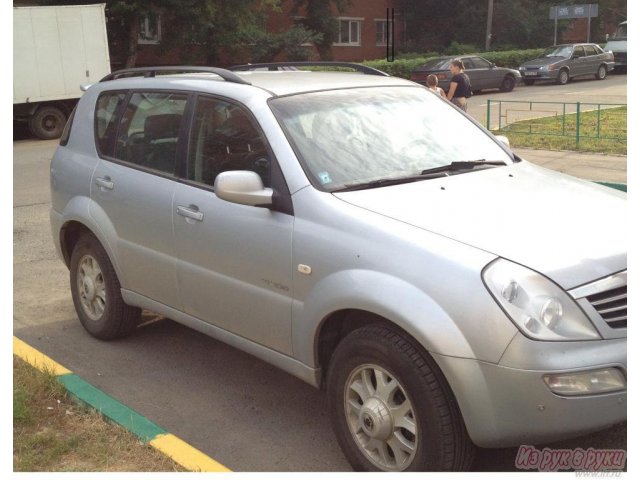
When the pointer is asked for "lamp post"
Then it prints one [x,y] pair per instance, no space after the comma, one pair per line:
[487,42]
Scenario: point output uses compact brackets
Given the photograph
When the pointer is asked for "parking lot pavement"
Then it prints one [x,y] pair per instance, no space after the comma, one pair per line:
[590,166]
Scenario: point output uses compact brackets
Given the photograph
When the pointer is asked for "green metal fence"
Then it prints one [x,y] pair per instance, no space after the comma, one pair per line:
[576,122]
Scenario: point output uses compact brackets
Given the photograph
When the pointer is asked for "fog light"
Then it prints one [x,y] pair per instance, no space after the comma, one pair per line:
[586,383]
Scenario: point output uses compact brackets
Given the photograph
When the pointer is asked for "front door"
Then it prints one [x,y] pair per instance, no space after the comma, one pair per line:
[234,261]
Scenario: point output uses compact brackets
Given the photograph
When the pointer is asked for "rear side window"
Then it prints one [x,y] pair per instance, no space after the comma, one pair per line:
[64,139]
[106,121]
[590,50]
[149,130]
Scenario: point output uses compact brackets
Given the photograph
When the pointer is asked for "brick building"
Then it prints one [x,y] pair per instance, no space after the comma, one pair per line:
[362,35]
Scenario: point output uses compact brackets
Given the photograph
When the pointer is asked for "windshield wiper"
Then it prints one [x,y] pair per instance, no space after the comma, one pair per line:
[464,165]
[436,172]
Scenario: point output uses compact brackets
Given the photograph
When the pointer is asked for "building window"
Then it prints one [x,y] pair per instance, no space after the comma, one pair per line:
[381,33]
[149,29]
[348,31]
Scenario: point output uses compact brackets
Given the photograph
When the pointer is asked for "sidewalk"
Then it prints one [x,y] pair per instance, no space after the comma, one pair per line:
[590,166]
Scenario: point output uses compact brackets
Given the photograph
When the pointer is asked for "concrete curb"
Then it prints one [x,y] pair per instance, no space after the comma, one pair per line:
[173,447]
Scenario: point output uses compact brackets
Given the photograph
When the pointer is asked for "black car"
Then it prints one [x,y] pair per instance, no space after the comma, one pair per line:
[482,73]
[563,62]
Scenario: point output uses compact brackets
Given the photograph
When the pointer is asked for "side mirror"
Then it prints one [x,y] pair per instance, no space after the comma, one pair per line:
[504,140]
[493,65]
[244,187]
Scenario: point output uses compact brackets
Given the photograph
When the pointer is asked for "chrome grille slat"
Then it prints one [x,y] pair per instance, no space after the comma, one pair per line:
[608,300]
[611,302]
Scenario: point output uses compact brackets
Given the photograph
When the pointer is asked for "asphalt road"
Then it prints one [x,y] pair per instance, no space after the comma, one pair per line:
[244,413]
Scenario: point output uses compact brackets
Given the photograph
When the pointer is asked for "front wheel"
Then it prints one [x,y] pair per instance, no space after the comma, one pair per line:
[563,77]
[601,74]
[391,407]
[95,290]
[508,83]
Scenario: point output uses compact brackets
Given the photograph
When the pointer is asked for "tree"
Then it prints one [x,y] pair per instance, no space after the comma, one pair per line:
[319,18]
[210,24]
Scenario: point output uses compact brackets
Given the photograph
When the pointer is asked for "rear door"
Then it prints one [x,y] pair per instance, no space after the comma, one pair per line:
[133,185]
[234,261]
[593,59]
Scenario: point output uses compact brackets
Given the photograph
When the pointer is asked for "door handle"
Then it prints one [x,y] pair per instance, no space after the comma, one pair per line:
[104,182]
[190,212]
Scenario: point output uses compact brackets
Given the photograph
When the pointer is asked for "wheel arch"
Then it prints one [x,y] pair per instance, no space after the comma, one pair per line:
[335,308]
[80,216]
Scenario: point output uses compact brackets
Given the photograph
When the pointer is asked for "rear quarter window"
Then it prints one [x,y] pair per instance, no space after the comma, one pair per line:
[64,138]
[106,121]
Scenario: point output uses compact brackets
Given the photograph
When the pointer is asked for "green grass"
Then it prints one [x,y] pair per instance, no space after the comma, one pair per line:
[53,433]
[548,133]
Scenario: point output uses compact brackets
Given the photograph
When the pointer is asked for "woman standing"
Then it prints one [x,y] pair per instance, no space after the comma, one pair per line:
[460,87]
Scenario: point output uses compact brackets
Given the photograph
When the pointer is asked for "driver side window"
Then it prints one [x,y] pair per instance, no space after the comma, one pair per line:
[223,138]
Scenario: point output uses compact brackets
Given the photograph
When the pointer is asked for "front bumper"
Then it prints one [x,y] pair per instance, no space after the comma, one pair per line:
[508,404]
[539,74]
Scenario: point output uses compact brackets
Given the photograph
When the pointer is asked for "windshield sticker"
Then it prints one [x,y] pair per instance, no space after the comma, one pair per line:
[324,178]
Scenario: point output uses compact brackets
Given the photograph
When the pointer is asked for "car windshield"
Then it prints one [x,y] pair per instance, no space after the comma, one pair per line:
[355,136]
[437,64]
[561,51]
[621,32]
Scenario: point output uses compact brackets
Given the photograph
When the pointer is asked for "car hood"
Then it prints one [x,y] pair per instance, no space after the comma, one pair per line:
[539,62]
[571,230]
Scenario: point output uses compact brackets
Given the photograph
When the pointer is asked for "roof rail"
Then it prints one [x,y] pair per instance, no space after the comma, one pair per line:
[274,66]
[152,71]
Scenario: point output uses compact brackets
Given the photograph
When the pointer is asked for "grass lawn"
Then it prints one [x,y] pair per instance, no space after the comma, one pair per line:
[547,132]
[52,433]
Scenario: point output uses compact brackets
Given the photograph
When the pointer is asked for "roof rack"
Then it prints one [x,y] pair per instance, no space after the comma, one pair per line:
[153,71]
[274,66]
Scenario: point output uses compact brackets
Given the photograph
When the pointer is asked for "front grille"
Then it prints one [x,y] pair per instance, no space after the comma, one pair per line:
[612,306]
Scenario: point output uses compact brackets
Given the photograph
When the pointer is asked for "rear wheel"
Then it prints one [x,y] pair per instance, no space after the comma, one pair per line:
[95,290]
[601,74]
[391,407]
[508,84]
[563,77]
[47,123]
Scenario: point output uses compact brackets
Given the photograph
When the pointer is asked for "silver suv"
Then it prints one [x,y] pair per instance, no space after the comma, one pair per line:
[360,233]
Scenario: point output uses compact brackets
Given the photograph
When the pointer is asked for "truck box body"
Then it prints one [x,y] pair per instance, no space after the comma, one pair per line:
[56,49]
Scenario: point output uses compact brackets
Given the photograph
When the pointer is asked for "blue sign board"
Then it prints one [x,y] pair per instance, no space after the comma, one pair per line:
[573,11]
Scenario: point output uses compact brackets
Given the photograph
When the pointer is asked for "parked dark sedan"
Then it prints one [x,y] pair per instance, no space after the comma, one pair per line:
[564,62]
[482,73]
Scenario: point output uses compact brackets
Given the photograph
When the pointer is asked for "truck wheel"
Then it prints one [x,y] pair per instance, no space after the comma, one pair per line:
[47,123]
[95,290]
[391,407]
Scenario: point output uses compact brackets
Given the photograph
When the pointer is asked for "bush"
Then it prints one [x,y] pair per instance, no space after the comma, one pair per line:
[460,49]
[403,66]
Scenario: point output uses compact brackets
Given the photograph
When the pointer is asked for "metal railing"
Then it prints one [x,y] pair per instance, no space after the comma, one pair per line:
[579,120]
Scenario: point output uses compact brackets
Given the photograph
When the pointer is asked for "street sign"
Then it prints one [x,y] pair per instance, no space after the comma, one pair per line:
[573,11]
[561,12]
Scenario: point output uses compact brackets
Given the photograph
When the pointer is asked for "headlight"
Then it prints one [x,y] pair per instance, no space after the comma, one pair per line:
[539,308]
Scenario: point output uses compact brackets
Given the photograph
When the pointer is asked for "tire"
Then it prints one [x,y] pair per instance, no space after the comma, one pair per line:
[529,82]
[374,369]
[95,290]
[508,84]
[47,123]
[601,74]
[563,77]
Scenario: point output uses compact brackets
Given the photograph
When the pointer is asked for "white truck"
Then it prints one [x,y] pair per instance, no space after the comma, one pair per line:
[617,44]
[55,50]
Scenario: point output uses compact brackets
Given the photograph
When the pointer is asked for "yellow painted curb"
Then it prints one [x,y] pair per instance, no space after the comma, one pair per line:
[37,359]
[184,454]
